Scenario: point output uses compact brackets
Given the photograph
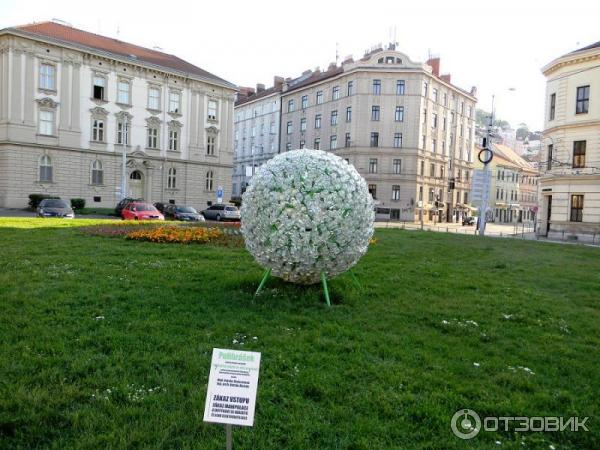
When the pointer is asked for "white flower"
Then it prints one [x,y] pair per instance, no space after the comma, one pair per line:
[307,212]
[476,364]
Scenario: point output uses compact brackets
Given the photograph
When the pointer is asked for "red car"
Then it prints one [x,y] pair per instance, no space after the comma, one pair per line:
[141,211]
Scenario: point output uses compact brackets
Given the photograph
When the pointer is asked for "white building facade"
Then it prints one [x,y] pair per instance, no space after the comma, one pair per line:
[570,170]
[406,129]
[71,102]
[256,135]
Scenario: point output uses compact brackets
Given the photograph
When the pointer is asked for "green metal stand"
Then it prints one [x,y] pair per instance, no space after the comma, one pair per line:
[356,282]
[325,289]
[263,281]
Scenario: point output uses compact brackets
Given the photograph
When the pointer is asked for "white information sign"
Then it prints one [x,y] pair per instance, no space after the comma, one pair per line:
[232,384]
[479,184]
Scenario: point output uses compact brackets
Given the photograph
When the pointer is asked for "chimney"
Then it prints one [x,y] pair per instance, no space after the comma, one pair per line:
[435,65]
[260,87]
[331,66]
[307,72]
[446,78]
[348,60]
[277,82]
[474,91]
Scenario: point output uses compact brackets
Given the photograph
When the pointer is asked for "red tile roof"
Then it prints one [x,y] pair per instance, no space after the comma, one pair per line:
[69,35]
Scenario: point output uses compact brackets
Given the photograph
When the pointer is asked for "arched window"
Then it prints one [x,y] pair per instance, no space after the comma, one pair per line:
[135,175]
[172,178]
[97,172]
[45,169]
[209,180]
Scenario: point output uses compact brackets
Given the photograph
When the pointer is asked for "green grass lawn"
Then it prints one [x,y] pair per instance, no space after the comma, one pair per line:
[106,343]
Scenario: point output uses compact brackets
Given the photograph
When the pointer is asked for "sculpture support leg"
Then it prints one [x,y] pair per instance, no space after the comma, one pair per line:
[356,282]
[263,281]
[325,289]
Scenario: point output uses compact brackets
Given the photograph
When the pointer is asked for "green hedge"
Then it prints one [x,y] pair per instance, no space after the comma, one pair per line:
[78,203]
[35,199]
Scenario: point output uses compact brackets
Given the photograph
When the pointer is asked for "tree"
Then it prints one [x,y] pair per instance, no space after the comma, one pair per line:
[522,132]
[482,119]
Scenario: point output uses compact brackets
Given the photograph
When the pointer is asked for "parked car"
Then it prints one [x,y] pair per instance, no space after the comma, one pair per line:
[470,220]
[125,202]
[55,207]
[179,212]
[141,211]
[221,212]
[161,206]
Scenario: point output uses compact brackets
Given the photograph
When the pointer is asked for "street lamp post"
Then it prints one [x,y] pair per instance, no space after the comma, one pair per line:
[124,163]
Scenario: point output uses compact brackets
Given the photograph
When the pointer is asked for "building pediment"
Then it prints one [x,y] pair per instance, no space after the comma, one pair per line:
[175,124]
[99,111]
[153,121]
[123,116]
[46,102]
[212,129]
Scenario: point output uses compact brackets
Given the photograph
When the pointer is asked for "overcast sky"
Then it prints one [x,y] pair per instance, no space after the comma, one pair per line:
[494,45]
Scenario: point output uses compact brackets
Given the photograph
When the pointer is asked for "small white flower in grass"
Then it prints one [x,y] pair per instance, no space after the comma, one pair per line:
[498,443]
[472,322]
[507,316]
[476,364]
[254,338]
[235,341]
[445,322]
[99,318]
[552,447]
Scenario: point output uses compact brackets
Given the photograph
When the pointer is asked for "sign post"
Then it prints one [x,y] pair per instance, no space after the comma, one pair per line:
[231,393]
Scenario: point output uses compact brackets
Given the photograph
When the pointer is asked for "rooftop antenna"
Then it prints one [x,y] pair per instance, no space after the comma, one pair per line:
[337,53]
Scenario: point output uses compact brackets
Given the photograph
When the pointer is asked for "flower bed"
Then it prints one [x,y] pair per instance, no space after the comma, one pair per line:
[182,235]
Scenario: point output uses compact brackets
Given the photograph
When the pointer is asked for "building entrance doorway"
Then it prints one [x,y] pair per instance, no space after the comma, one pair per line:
[136,184]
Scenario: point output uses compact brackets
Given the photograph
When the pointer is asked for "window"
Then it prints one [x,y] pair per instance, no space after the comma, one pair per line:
[333,142]
[212,110]
[434,120]
[154,98]
[399,114]
[152,137]
[46,122]
[421,193]
[425,89]
[336,93]
[291,105]
[579,154]
[373,165]
[349,114]
[318,121]
[97,172]
[334,116]
[317,143]
[398,140]
[209,180]
[423,141]
[400,87]
[123,133]
[211,144]
[552,107]
[435,95]
[98,130]
[465,197]
[373,191]
[431,194]
[304,101]
[48,77]
[434,145]
[583,100]
[577,208]
[376,87]
[374,139]
[288,146]
[172,178]
[124,92]
[99,87]
[319,97]
[442,172]
[302,143]
[395,192]
[173,139]
[422,168]
[347,140]
[303,124]
[375,113]
[175,102]
[397,166]
[550,156]
[432,170]
[45,169]
[290,127]
[350,88]
[272,128]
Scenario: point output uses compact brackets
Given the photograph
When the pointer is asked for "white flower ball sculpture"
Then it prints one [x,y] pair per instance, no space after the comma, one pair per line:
[307,213]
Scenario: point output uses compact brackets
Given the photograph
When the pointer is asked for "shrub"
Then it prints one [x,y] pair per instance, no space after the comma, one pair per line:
[35,199]
[78,203]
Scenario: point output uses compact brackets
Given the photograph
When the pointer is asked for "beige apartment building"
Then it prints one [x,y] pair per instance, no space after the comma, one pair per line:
[570,171]
[71,102]
[405,127]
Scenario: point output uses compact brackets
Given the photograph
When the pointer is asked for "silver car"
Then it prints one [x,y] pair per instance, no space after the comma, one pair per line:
[221,212]
[55,207]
